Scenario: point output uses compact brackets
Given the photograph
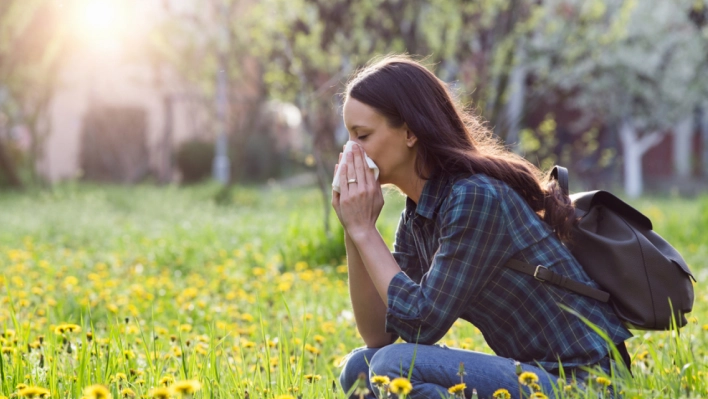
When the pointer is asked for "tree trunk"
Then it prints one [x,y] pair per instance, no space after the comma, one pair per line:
[682,149]
[703,126]
[515,106]
[7,167]
[634,147]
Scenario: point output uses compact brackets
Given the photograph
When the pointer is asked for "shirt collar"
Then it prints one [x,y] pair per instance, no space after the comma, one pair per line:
[434,191]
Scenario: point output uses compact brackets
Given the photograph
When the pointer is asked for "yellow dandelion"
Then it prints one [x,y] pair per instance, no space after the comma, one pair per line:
[127,393]
[535,387]
[603,381]
[401,385]
[160,393]
[538,395]
[166,380]
[319,339]
[33,392]
[97,392]
[527,378]
[20,387]
[380,380]
[72,328]
[8,350]
[312,377]
[285,397]
[312,349]
[187,387]
[121,377]
[501,394]
[457,388]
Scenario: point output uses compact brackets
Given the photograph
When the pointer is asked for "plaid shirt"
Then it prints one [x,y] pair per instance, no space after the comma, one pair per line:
[452,248]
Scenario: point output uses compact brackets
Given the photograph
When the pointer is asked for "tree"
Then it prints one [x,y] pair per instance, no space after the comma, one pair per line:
[208,47]
[32,40]
[636,65]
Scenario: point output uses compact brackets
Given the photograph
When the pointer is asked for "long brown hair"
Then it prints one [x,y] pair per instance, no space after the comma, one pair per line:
[452,140]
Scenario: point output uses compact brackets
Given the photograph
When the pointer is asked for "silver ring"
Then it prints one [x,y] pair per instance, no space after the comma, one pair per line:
[350,181]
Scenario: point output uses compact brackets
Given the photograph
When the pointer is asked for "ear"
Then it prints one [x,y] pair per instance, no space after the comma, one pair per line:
[411,138]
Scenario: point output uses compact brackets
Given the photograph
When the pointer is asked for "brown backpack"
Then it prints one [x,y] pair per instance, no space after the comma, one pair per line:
[644,278]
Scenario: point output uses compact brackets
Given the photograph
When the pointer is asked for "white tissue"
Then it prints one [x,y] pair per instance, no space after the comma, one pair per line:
[347,149]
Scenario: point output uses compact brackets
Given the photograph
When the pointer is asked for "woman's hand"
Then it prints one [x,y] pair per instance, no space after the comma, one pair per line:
[359,204]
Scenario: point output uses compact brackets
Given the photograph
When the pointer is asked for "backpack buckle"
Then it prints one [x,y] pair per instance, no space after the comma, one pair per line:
[535,273]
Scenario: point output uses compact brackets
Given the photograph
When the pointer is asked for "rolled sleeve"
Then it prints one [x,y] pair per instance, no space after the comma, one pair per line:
[473,244]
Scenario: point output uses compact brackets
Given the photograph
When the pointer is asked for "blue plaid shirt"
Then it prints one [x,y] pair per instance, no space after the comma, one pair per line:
[452,248]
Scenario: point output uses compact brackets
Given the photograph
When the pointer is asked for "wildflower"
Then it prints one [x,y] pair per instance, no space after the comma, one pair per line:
[166,380]
[535,387]
[401,385]
[97,392]
[603,381]
[187,387]
[121,377]
[380,380]
[457,389]
[538,395]
[527,378]
[285,397]
[312,377]
[461,372]
[127,393]
[361,388]
[33,392]
[501,394]
[160,393]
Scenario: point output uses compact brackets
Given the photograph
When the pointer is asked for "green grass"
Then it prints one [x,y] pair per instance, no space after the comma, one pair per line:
[240,290]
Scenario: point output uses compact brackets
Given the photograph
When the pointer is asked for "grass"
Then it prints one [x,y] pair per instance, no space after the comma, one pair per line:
[240,290]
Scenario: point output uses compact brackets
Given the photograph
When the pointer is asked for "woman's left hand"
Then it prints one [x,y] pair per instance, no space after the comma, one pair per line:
[360,202]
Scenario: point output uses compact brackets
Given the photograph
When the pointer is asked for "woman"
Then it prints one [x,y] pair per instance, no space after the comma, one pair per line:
[471,206]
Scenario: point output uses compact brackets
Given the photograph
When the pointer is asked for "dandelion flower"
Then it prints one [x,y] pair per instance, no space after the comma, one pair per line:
[312,377]
[97,392]
[501,394]
[527,378]
[455,389]
[187,387]
[33,392]
[380,380]
[285,397]
[160,393]
[127,393]
[603,381]
[166,380]
[401,385]
[538,395]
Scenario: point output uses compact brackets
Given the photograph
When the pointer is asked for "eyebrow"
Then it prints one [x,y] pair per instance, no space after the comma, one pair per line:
[358,127]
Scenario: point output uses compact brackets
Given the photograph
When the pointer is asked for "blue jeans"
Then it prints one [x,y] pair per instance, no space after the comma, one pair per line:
[436,369]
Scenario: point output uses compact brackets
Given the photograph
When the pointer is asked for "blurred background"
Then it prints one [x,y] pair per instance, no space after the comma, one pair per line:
[246,91]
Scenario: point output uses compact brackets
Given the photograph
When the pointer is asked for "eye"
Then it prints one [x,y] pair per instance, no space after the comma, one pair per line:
[363,137]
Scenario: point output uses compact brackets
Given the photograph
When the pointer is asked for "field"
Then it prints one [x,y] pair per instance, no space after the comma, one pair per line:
[140,289]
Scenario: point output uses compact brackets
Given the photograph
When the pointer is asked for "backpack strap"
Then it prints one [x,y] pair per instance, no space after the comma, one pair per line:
[560,174]
[544,274]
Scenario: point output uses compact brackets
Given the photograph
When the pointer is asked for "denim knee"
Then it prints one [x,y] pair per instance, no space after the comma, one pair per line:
[355,363]
[392,360]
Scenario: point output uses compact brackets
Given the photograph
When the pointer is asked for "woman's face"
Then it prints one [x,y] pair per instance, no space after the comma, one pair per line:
[392,149]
